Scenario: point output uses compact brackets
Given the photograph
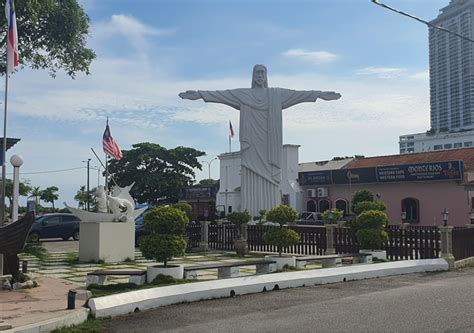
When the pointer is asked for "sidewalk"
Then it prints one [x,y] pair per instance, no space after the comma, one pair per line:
[30,306]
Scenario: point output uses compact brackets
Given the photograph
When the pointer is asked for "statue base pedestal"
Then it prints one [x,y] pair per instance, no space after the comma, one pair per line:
[106,242]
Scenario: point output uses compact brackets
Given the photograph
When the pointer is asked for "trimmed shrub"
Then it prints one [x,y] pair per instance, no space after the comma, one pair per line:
[281,238]
[184,207]
[332,216]
[239,219]
[167,226]
[282,215]
[359,196]
[370,226]
[369,205]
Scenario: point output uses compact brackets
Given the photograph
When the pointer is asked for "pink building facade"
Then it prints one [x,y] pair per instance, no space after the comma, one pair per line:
[416,187]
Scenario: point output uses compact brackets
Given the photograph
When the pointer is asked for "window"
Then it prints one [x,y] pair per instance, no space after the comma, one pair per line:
[438,147]
[342,205]
[52,220]
[70,219]
[458,145]
[448,146]
[230,209]
[468,144]
[324,205]
[410,150]
[411,207]
[402,151]
[311,206]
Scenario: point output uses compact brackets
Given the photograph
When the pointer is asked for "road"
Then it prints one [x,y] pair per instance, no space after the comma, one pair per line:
[434,302]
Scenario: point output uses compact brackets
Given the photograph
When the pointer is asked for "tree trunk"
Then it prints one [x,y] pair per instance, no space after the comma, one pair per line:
[12,266]
[53,205]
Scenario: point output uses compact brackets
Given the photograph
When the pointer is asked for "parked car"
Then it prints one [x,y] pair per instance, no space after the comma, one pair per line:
[57,225]
[310,218]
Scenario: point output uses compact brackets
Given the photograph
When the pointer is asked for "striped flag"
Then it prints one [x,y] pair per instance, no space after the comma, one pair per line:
[231,130]
[12,44]
[111,147]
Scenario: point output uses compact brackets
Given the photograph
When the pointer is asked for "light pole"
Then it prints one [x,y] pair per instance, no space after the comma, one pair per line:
[445,214]
[17,162]
[209,165]
[98,175]
[88,170]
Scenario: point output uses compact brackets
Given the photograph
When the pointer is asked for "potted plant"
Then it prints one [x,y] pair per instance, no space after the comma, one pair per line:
[166,227]
[239,219]
[282,237]
[370,232]
[332,216]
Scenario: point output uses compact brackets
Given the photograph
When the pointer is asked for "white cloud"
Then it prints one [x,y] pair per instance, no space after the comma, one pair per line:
[382,72]
[425,75]
[136,32]
[316,57]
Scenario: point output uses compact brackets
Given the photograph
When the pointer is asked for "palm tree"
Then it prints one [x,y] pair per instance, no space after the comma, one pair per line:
[35,193]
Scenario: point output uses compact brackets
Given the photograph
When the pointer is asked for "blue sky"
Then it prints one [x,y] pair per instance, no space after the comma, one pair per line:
[150,50]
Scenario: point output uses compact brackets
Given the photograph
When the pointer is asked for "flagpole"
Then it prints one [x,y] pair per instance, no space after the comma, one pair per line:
[230,144]
[4,148]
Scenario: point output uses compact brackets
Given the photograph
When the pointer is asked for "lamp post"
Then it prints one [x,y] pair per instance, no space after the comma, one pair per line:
[445,214]
[88,170]
[17,162]
[98,175]
[403,215]
[209,163]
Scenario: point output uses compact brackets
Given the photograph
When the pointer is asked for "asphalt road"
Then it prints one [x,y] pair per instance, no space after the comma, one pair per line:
[434,302]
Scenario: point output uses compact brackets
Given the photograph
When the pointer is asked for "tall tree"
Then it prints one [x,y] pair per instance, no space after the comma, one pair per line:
[35,192]
[23,190]
[50,194]
[51,35]
[158,173]
[82,197]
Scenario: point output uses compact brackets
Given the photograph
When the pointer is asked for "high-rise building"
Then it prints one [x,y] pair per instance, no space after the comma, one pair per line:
[452,68]
[451,83]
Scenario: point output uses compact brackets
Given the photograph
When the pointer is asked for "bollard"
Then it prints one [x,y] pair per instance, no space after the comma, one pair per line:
[71,299]
[24,266]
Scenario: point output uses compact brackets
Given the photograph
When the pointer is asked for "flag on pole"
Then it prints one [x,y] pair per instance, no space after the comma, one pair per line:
[231,133]
[12,43]
[111,147]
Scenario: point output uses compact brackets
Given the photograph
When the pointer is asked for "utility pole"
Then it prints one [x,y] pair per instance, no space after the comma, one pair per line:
[88,194]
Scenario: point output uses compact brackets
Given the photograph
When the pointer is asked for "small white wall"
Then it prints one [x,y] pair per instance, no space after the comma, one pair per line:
[106,241]
[289,175]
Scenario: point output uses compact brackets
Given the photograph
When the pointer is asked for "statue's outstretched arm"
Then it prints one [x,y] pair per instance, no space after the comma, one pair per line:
[293,97]
[190,94]
[227,97]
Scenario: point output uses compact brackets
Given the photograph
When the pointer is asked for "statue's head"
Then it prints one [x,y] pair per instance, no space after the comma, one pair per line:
[259,78]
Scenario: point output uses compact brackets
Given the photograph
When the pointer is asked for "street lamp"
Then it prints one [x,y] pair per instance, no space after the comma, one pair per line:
[445,214]
[403,215]
[209,165]
[88,169]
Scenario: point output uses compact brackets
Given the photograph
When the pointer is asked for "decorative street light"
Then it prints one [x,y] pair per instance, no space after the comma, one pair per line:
[403,216]
[209,163]
[445,214]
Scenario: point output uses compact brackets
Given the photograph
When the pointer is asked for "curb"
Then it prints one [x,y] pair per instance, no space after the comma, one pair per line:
[139,300]
[77,317]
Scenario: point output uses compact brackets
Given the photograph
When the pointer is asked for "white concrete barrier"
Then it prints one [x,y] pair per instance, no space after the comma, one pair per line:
[140,300]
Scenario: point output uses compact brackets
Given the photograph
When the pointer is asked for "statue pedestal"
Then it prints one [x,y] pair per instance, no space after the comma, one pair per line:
[107,241]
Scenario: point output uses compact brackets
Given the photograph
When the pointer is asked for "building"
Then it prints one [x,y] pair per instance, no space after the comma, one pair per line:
[228,198]
[451,83]
[202,199]
[420,185]
[423,142]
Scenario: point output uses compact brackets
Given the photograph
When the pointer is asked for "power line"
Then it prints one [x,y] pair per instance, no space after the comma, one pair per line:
[51,171]
[421,20]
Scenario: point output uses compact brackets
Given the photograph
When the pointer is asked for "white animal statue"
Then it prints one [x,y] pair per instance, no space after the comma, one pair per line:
[121,206]
[101,197]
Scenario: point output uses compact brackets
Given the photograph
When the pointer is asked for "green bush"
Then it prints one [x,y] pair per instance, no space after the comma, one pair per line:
[369,205]
[238,218]
[167,226]
[332,216]
[165,220]
[359,196]
[184,207]
[282,215]
[281,238]
[370,229]
[162,248]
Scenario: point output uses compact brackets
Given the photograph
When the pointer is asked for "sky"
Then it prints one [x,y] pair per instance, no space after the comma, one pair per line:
[150,50]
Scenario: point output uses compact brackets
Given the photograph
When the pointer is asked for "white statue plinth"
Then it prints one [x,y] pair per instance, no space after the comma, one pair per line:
[106,241]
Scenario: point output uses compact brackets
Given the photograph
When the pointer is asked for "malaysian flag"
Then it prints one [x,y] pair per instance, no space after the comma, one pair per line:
[231,130]
[12,44]
[111,147]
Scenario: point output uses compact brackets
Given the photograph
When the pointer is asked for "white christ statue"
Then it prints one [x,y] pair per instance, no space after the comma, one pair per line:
[260,134]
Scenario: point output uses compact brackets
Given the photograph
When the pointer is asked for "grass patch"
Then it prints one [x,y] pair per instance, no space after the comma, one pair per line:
[160,281]
[37,250]
[91,325]
[72,258]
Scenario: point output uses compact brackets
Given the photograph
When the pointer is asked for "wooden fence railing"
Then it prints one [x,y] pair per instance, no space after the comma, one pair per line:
[404,242]
[193,231]
[412,242]
[312,240]
[463,243]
